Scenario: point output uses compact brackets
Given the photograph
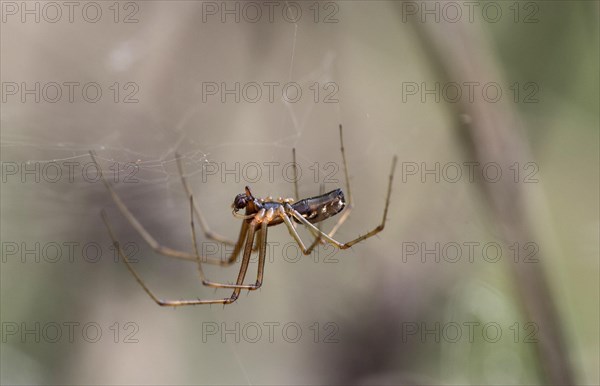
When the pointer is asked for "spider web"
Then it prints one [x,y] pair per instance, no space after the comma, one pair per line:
[40,135]
[169,61]
[152,144]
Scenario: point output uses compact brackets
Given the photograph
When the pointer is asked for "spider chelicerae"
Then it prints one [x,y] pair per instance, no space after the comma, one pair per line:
[258,216]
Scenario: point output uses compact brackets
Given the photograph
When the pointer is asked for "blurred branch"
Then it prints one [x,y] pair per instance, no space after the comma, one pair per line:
[460,53]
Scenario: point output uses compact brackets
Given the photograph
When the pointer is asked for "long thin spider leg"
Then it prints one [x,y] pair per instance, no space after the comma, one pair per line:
[203,278]
[238,246]
[349,203]
[297,197]
[292,230]
[203,223]
[261,261]
[295,169]
[261,256]
[262,242]
[149,239]
[157,300]
[318,237]
[350,243]
[245,262]
[136,224]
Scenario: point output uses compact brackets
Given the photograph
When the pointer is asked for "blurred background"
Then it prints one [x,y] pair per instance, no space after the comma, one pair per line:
[486,271]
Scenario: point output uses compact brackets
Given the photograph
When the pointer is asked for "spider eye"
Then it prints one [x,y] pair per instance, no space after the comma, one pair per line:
[240,201]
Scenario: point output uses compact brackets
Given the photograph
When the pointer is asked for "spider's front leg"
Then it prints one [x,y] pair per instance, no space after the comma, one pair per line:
[249,236]
[149,239]
[240,279]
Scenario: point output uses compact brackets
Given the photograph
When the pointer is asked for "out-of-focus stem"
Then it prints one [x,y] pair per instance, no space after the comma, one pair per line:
[493,131]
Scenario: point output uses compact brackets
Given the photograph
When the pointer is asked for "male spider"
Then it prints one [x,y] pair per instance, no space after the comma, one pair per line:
[259,215]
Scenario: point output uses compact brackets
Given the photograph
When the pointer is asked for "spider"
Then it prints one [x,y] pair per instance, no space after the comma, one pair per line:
[258,216]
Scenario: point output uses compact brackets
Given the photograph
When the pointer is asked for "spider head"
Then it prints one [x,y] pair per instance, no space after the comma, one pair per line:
[242,200]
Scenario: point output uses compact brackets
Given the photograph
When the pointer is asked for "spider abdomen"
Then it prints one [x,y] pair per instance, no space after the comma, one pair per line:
[319,208]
